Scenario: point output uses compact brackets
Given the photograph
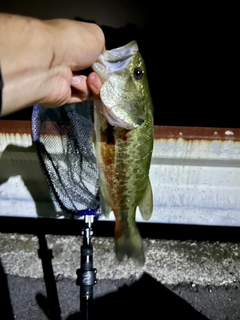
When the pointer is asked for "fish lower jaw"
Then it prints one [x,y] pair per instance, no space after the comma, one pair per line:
[115,121]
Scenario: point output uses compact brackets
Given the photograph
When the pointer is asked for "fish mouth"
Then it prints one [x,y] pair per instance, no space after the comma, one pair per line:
[115,60]
[116,121]
[105,68]
[108,65]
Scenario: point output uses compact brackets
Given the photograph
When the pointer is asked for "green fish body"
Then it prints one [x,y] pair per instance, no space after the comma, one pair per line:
[123,122]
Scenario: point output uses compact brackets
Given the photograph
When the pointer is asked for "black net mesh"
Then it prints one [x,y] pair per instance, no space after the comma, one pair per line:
[63,139]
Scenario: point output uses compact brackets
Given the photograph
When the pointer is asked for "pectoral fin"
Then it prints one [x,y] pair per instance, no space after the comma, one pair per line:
[146,205]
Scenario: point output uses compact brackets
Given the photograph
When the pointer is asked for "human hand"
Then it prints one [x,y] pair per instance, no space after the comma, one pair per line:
[41,60]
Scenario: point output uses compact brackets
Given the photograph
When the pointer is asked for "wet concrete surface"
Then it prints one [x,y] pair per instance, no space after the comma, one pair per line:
[168,261]
[181,280]
[145,298]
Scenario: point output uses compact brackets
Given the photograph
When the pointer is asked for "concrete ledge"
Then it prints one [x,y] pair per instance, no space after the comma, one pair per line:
[195,175]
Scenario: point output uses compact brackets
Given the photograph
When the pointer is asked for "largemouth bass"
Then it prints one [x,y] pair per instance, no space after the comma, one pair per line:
[123,122]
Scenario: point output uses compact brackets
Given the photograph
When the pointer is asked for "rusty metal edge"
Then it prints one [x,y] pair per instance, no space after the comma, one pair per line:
[196,133]
[160,132]
[15,126]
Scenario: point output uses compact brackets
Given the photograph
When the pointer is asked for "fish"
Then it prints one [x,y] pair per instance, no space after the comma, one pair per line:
[123,144]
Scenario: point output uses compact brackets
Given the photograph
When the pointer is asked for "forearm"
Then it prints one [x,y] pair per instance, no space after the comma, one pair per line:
[39,60]
[22,40]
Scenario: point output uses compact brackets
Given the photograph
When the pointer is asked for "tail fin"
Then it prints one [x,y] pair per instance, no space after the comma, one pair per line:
[130,245]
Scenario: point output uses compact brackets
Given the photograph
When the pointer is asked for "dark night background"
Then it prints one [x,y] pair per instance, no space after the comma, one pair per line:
[190,53]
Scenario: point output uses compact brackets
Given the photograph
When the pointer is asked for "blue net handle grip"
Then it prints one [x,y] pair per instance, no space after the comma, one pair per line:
[87,212]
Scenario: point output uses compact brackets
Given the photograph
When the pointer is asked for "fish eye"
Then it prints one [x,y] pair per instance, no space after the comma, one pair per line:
[138,73]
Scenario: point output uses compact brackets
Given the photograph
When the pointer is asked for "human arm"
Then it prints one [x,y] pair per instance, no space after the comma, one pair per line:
[40,60]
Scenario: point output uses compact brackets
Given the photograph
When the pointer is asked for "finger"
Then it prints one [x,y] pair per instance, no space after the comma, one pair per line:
[75,97]
[80,87]
[94,84]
